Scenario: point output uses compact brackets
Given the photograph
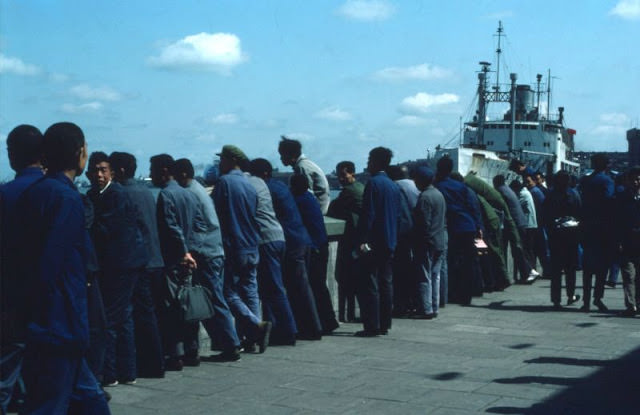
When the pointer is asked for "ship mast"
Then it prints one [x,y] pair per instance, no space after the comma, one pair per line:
[500,33]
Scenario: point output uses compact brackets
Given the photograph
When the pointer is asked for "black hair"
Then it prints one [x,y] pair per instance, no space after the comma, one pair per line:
[299,184]
[182,166]
[396,172]
[97,157]
[444,166]
[516,186]
[260,168]
[498,180]
[561,180]
[289,147]
[24,145]
[380,157]
[123,161]
[62,145]
[161,162]
[346,165]
[599,161]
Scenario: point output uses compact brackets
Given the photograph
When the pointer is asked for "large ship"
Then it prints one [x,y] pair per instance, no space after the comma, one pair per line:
[524,132]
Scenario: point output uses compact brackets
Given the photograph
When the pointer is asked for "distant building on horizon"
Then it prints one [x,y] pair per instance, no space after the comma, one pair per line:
[633,137]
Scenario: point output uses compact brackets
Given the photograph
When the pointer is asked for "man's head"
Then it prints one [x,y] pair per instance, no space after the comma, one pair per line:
[24,145]
[561,180]
[444,166]
[346,172]
[99,170]
[423,177]
[599,162]
[183,172]
[498,180]
[529,181]
[160,169]
[540,180]
[231,157]
[379,159]
[123,165]
[516,186]
[64,149]
[289,150]
[261,168]
[298,184]
[633,179]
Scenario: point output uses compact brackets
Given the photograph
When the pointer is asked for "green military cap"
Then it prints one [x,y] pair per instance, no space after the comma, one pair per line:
[230,151]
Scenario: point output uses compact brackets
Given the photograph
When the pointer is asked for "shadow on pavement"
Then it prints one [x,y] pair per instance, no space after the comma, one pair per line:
[611,390]
[569,361]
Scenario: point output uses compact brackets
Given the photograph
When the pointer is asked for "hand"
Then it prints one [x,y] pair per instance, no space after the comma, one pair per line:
[189,261]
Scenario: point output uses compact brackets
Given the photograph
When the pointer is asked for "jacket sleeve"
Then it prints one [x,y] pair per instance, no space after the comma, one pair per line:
[167,219]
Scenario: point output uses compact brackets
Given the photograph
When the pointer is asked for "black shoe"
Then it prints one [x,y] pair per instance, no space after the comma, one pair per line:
[173,364]
[247,346]
[383,332]
[629,312]
[263,338]
[573,299]
[226,356]
[610,284]
[557,306]
[366,333]
[192,361]
[308,336]
[331,327]
[282,342]
[585,308]
[601,307]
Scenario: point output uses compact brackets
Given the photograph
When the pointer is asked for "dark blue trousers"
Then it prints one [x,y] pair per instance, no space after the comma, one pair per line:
[275,305]
[303,304]
[59,385]
[120,354]
[149,354]
[221,327]
[375,291]
[318,259]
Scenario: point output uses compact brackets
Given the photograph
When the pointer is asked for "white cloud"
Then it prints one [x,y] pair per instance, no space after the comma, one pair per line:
[94,106]
[424,71]
[104,93]
[615,118]
[205,51]
[58,77]
[227,118]
[333,114]
[366,10]
[422,102]
[300,136]
[17,66]
[503,14]
[627,9]
[410,121]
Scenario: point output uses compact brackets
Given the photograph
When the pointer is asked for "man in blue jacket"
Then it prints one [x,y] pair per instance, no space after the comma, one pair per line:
[122,257]
[319,255]
[595,224]
[177,215]
[464,224]
[298,241]
[24,145]
[149,356]
[378,238]
[236,202]
[53,249]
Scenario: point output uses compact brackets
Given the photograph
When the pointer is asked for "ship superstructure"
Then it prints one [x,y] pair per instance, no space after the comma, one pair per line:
[537,138]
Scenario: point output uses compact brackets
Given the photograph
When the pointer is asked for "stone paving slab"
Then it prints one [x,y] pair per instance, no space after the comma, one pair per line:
[507,353]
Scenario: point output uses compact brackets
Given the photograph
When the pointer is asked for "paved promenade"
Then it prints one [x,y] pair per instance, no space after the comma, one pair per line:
[508,353]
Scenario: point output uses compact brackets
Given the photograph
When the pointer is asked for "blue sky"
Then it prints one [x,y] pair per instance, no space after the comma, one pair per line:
[342,76]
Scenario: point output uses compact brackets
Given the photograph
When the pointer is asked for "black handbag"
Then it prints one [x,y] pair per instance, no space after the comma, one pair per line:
[192,299]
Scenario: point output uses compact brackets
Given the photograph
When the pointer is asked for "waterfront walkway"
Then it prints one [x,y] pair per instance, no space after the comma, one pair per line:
[508,353]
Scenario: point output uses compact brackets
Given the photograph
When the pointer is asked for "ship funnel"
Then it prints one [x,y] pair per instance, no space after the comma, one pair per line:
[524,101]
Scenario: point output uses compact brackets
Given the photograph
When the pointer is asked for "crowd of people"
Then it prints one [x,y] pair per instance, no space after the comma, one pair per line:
[90,282]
